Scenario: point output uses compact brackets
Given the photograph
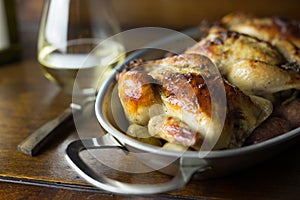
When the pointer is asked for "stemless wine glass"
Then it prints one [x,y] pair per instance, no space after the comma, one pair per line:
[71,38]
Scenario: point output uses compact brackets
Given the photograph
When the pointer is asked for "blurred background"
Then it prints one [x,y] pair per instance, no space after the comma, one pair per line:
[174,14]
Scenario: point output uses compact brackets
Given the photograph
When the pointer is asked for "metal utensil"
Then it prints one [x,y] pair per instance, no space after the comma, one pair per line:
[43,135]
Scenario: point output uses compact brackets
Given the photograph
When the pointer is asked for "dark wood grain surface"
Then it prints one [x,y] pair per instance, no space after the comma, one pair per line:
[28,100]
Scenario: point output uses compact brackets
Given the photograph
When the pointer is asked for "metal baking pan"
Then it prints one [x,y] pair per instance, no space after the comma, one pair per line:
[182,165]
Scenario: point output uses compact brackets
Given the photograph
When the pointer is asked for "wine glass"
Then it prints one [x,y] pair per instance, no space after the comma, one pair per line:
[71,38]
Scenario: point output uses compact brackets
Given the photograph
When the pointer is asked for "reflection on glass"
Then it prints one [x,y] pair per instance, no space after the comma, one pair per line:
[73,36]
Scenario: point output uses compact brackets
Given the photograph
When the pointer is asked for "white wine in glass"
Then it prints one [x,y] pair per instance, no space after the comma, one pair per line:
[76,36]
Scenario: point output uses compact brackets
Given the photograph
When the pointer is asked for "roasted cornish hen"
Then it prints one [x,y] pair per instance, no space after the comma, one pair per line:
[176,86]
[258,59]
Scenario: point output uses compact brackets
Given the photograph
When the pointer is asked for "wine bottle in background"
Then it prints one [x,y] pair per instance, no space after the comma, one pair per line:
[9,40]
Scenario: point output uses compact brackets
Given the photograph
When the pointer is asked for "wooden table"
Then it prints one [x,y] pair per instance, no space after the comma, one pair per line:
[27,100]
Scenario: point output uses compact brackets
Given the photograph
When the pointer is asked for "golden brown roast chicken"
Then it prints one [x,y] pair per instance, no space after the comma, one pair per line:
[171,97]
[258,58]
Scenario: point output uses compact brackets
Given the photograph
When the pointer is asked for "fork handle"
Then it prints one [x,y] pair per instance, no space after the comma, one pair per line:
[39,138]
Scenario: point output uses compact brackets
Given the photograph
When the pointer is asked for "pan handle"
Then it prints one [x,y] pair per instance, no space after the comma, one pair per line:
[105,183]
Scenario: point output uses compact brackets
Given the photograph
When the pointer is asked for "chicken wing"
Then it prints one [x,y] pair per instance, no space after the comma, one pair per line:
[137,92]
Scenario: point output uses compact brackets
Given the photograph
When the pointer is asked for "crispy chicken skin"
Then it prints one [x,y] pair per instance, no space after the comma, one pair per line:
[184,96]
[261,78]
[173,130]
[225,47]
[282,33]
[252,64]
[137,94]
